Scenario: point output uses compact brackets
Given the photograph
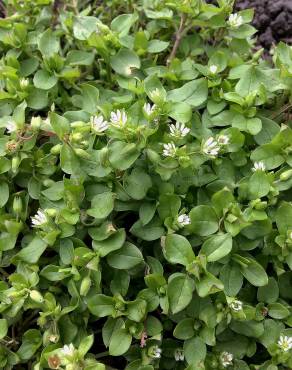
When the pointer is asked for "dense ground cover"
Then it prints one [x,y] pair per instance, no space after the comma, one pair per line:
[145,188]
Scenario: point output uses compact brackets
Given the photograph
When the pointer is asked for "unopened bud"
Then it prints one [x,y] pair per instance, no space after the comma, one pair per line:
[51,212]
[77,136]
[82,153]
[36,296]
[15,164]
[85,286]
[286,175]
[56,149]
[17,205]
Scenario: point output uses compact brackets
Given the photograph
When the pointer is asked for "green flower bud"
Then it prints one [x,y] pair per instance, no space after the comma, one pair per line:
[36,296]
[260,206]
[15,164]
[42,321]
[17,205]
[286,175]
[51,212]
[85,286]
[82,153]
[56,149]
[77,124]
[77,136]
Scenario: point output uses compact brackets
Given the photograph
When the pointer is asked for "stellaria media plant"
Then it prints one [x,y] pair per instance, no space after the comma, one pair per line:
[145,188]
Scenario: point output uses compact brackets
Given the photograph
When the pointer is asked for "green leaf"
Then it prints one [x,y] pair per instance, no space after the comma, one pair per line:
[254,273]
[204,221]
[101,305]
[269,293]
[101,205]
[177,249]
[157,46]
[122,155]
[3,328]
[120,343]
[180,292]
[90,97]
[59,124]
[69,161]
[259,185]
[251,125]
[193,93]
[84,26]
[33,251]
[283,217]
[112,243]
[232,279]
[4,193]
[278,311]
[48,43]
[181,112]
[80,58]
[208,284]
[184,329]
[248,328]
[85,345]
[125,62]
[37,99]
[123,22]
[152,231]
[217,247]
[31,341]
[125,258]
[137,184]
[44,80]
[195,351]
[146,212]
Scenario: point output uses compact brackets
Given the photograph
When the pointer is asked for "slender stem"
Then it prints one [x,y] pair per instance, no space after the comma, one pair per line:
[178,37]
[102,354]
[283,110]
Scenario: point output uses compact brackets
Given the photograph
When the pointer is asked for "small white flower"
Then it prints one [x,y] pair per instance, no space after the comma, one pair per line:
[235,20]
[211,147]
[258,166]
[149,109]
[169,150]
[226,359]
[68,350]
[53,338]
[98,124]
[156,353]
[39,219]
[183,220]
[36,122]
[155,94]
[223,140]
[11,127]
[23,82]
[119,118]
[213,69]
[236,305]
[285,343]
[179,354]
[178,130]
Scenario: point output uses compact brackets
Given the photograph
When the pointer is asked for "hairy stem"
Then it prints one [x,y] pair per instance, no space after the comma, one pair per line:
[178,37]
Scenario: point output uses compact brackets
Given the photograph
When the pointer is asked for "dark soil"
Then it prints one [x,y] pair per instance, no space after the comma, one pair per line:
[273,20]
